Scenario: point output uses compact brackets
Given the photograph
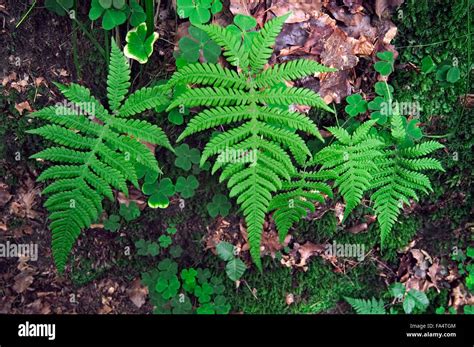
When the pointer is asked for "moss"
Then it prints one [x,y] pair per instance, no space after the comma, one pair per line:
[317,290]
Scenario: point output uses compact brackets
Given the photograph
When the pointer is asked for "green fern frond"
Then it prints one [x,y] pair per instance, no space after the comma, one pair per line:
[362,306]
[99,155]
[298,198]
[118,81]
[211,97]
[399,179]
[262,44]
[289,71]
[259,143]
[234,50]
[208,74]
[288,96]
[352,160]
[142,100]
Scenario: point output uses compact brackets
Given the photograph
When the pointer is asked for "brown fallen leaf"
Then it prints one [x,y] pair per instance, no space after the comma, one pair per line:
[307,251]
[25,201]
[22,282]
[22,106]
[244,7]
[382,5]
[301,11]
[289,299]
[357,228]
[137,293]
[5,195]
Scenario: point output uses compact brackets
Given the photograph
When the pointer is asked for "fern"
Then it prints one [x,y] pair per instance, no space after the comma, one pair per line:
[351,160]
[399,176]
[298,198]
[94,156]
[241,100]
[362,306]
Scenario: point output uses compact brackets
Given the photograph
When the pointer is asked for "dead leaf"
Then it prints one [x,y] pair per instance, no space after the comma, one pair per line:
[382,5]
[358,228]
[22,106]
[339,211]
[301,11]
[137,293]
[26,200]
[5,195]
[289,299]
[22,282]
[244,7]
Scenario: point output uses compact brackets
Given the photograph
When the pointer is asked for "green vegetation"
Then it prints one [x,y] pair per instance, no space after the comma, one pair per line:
[102,156]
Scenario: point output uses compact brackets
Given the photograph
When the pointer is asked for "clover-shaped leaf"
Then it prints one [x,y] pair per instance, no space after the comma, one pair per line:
[171,230]
[378,106]
[355,105]
[219,205]
[189,276]
[140,47]
[181,304]
[187,186]
[470,282]
[216,7]
[159,193]
[168,287]
[217,285]
[190,47]
[243,29]
[221,306]
[198,11]
[176,117]
[129,212]
[142,171]
[470,252]
[207,308]
[225,250]
[385,65]
[413,130]
[168,265]
[383,89]
[203,275]
[468,309]
[60,7]
[112,14]
[112,223]
[153,249]
[186,156]
[165,241]
[176,251]
[203,292]
[142,247]
[137,14]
